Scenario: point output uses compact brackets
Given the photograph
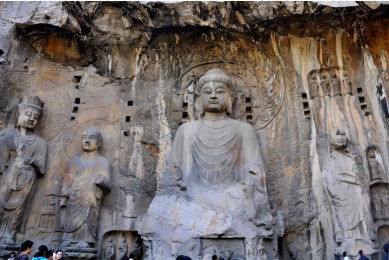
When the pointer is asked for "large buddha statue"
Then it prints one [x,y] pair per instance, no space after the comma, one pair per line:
[344,191]
[22,160]
[213,184]
[86,181]
[216,149]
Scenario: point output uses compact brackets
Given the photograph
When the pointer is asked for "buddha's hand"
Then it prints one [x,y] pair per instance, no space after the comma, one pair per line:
[103,183]
[257,174]
[255,169]
[62,201]
[21,161]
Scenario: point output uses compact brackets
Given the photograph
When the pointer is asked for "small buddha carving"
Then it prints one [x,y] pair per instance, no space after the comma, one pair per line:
[375,169]
[325,84]
[335,86]
[314,85]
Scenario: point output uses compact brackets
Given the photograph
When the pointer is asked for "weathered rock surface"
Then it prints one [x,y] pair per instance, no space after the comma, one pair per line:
[129,69]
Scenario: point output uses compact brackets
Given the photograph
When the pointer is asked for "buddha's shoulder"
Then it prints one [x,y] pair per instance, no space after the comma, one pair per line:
[188,125]
[242,125]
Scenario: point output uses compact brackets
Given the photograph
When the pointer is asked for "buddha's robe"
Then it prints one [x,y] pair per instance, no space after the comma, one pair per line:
[22,158]
[217,153]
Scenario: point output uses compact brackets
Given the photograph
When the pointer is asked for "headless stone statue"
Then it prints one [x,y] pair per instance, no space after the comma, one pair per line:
[22,159]
[345,195]
[87,179]
[213,182]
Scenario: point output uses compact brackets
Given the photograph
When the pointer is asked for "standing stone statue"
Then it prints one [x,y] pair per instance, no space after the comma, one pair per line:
[346,84]
[109,251]
[122,248]
[22,160]
[375,168]
[335,86]
[215,149]
[87,179]
[325,84]
[385,203]
[345,195]
[314,85]
[213,183]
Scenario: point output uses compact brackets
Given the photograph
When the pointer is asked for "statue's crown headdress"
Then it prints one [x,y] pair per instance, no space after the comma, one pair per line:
[32,101]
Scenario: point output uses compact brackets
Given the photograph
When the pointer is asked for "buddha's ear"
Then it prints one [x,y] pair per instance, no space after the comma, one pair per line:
[229,104]
[200,105]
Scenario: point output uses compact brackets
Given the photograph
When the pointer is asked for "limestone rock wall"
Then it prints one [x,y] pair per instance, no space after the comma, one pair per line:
[128,69]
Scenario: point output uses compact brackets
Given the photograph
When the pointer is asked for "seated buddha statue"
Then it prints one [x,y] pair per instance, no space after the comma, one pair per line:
[213,183]
[215,149]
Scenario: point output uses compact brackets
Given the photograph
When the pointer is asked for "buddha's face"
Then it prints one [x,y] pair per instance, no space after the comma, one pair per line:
[215,97]
[338,139]
[90,140]
[29,118]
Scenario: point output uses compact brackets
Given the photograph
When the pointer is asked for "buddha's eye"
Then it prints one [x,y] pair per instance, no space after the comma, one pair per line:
[207,91]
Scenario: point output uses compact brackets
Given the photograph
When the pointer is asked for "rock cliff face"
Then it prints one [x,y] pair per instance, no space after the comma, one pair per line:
[301,69]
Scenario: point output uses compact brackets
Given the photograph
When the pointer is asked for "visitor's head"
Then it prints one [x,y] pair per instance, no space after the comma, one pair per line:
[26,246]
[49,254]
[42,251]
[216,92]
[338,139]
[30,111]
[214,257]
[361,252]
[91,140]
[13,254]
[183,257]
[58,254]
[344,253]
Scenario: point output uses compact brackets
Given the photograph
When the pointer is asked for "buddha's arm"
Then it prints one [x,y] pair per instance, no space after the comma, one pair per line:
[172,174]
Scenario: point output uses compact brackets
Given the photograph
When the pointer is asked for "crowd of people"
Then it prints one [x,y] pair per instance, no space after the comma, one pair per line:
[43,253]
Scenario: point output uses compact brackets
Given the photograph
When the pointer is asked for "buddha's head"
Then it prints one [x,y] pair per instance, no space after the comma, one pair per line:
[91,140]
[338,139]
[371,153]
[30,112]
[216,92]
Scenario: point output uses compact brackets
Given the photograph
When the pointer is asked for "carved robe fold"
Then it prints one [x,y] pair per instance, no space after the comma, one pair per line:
[85,182]
[22,157]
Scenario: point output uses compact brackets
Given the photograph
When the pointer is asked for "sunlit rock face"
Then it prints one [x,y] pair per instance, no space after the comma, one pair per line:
[132,70]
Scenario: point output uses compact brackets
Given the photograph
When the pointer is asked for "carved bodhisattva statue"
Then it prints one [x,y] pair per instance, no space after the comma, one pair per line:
[213,184]
[22,160]
[87,179]
[345,195]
